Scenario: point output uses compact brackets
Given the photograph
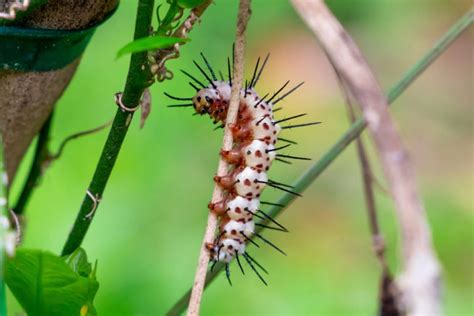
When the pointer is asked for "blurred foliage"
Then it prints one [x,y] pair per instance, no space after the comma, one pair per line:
[149,226]
[357,10]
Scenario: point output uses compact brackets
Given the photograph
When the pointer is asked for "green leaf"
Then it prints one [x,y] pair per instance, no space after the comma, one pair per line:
[149,43]
[77,261]
[44,284]
[190,4]
[167,23]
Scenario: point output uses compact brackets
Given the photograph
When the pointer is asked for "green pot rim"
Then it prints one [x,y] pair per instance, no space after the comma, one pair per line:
[37,49]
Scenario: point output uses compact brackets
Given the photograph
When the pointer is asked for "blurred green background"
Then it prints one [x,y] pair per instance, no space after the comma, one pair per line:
[147,232]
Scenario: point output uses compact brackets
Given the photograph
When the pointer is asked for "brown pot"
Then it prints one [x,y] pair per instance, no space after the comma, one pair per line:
[27,98]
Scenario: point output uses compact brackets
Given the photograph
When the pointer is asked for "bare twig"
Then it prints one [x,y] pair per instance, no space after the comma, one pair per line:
[367,178]
[63,144]
[388,290]
[420,279]
[36,170]
[222,169]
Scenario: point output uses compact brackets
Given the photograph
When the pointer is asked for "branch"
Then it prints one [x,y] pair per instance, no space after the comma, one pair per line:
[222,169]
[420,281]
[351,134]
[388,290]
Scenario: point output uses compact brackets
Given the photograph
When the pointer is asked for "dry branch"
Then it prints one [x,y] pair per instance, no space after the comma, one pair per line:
[222,169]
[419,281]
[368,179]
[388,290]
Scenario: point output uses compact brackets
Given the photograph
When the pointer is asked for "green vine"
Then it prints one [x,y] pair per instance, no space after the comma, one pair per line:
[138,79]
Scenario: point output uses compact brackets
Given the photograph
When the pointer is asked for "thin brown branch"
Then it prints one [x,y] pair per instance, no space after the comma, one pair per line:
[63,144]
[367,180]
[420,279]
[388,291]
[222,169]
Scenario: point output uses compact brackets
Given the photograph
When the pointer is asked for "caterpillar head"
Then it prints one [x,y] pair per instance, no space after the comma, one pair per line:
[204,100]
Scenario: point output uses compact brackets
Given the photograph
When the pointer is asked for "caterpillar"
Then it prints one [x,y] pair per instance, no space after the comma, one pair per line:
[255,135]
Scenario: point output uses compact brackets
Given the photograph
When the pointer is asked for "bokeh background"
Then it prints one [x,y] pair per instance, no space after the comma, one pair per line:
[147,232]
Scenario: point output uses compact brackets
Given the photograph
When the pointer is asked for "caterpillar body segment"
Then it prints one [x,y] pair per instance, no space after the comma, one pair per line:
[255,134]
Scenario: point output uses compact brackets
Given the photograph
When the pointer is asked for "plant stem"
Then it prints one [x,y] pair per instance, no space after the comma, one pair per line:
[352,133]
[420,278]
[387,298]
[367,178]
[138,79]
[41,154]
[227,143]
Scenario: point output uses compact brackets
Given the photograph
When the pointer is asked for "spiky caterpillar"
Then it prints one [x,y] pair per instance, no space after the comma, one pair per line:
[255,134]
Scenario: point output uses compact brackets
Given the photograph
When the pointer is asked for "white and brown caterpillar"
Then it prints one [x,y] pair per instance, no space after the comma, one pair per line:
[255,134]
